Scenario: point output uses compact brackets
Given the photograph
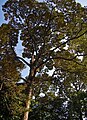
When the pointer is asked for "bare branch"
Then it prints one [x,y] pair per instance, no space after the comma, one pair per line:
[24,61]
[17,57]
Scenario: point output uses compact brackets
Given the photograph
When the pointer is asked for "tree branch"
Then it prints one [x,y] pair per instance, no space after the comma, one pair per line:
[76,37]
[17,57]
[59,57]
[23,61]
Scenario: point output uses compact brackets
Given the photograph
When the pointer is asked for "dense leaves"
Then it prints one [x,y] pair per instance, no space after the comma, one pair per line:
[10,94]
[53,38]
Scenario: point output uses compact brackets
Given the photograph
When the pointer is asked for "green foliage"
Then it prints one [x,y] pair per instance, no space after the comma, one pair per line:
[53,36]
[10,94]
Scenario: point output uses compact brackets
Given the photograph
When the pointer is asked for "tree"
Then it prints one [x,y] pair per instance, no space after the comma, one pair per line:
[45,29]
[71,81]
[10,94]
[66,96]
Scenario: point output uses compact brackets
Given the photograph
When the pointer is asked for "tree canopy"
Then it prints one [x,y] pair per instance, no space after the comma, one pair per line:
[53,38]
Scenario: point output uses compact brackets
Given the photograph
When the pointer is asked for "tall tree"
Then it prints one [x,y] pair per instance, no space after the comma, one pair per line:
[64,95]
[10,94]
[45,29]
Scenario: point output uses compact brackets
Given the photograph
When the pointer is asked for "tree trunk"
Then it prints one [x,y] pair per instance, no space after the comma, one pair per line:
[29,90]
[80,117]
[28,102]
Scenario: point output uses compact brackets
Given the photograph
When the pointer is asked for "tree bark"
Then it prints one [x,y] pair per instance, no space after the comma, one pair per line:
[29,90]
[28,102]
[80,117]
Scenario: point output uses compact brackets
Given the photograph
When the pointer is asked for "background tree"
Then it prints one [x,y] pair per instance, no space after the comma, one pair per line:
[66,96]
[10,94]
[45,29]
[72,86]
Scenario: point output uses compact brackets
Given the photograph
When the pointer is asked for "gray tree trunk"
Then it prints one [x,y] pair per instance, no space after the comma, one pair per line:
[28,103]
[29,91]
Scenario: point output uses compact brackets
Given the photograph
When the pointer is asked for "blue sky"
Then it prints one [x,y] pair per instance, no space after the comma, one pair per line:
[1,13]
[83,2]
